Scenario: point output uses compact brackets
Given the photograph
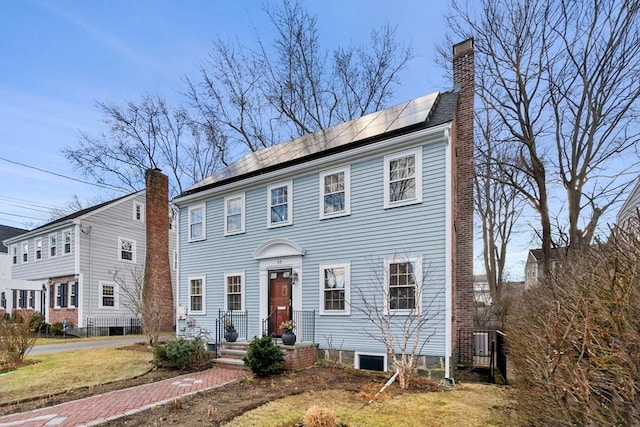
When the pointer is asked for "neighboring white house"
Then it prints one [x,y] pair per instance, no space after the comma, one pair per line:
[84,263]
[379,207]
[534,268]
[628,215]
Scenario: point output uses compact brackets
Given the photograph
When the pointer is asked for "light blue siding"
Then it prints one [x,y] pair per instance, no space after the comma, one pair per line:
[363,239]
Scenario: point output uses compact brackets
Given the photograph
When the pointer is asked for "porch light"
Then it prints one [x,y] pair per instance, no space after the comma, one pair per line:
[294,278]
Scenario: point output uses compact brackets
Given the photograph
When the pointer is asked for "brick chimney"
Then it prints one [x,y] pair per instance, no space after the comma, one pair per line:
[463,169]
[157,273]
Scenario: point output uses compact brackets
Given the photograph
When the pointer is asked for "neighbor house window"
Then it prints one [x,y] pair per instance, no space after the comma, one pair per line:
[404,283]
[32,299]
[66,236]
[53,245]
[196,295]
[73,294]
[61,294]
[234,214]
[403,178]
[22,298]
[234,290]
[280,204]
[14,254]
[196,223]
[25,251]
[38,245]
[108,295]
[138,211]
[127,251]
[334,288]
[3,300]
[335,193]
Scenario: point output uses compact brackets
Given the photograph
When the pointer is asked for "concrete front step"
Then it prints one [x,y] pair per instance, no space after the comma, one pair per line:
[232,354]
[230,363]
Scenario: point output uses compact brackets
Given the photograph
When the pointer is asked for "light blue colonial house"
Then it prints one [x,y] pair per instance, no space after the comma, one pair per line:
[372,214]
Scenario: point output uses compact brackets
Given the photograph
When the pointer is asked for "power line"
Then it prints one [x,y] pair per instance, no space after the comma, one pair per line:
[21,216]
[63,176]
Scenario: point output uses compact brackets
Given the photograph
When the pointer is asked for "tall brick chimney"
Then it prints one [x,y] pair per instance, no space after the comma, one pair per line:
[157,273]
[464,305]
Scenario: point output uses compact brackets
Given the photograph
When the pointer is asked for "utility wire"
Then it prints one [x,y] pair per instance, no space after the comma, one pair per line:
[63,176]
[21,216]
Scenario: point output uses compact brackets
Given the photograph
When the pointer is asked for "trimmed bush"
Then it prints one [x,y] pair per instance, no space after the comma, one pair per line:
[182,354]
[264,357]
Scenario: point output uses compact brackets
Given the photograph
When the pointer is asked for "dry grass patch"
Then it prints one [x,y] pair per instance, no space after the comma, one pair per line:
[467,405]
[55,373]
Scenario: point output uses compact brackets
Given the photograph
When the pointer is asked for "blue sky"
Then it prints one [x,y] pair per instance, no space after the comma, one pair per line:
[57,58]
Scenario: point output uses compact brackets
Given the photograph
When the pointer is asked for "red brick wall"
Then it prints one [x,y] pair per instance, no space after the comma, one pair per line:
[463,171]
[157,273]
[299,358]
[57,315]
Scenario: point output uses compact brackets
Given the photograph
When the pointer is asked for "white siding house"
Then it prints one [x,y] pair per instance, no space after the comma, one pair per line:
[628,215]
[314,228]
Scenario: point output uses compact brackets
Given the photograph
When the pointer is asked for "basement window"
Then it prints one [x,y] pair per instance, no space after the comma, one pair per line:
[371,362]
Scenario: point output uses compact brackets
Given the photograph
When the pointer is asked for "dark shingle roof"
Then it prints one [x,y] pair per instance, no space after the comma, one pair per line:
[556,254]
[420,113]
[7,232]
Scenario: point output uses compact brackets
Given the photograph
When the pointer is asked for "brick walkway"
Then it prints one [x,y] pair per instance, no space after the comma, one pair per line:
[95,410]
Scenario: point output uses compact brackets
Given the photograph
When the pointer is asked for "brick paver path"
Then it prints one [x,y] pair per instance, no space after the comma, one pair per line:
[95,410]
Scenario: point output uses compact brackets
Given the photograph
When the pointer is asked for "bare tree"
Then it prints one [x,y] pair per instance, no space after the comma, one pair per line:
[395,305]
[141,135]
[562,77]
[251,98]
[143,305]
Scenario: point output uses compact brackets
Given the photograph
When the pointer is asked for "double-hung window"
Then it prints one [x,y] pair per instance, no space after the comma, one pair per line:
[403,178]
[32,299]
[61,294]
[234,214]
[138,211]
[14,254]
[335,288]
[197,223]
[22,298]
[404,284]
[53,245]
[234,283]
[38,245]
[127,250]
[73,294]
[66,235]
[25,251]
[196,295]
[108,295]
[335,189]
[280,204]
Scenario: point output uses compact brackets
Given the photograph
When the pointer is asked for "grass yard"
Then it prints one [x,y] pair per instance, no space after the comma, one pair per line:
[58,372]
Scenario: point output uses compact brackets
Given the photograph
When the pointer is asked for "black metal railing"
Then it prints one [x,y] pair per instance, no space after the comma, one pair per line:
[305,325]
[105,326]
[235,318]
[483,349]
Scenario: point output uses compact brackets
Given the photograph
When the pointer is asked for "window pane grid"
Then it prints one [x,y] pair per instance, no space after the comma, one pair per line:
[402,286]
[334,193]
[402,182]
[196,295]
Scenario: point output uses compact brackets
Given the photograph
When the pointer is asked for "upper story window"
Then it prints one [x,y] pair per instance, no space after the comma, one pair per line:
[66,236]
[234,214]
[335,283]
[335,193]
[127,251]
[25,251]
[138,211]
[280,204]
[403,178]
[403,285]
[53,245]
[14,254]
[234,283]
[38,246]
[196,295]
[197,222]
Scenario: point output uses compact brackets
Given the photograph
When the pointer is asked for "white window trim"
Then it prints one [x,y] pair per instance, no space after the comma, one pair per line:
[347,289]
[133,250]
[204,223]
[14,254]
[64,243]
[23,252]
[116,296]
[417,153]
[55,235]
[347,192]
[242,289]
[204,295]
[242,214]
[289,185]
[135,206]
[356,361]
[35,249]
[419,284]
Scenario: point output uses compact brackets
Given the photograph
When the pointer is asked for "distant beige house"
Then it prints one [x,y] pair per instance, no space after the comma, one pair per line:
[534,270]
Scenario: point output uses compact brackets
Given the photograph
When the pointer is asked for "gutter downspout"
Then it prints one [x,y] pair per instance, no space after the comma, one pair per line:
[448,253]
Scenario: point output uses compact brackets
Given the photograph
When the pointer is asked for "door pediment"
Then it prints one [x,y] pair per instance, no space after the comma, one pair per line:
[278,248]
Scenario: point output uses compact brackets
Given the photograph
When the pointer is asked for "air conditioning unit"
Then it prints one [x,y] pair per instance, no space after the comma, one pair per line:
[480,343]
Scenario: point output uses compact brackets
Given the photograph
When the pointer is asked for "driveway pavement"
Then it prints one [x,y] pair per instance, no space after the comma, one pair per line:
[98,409]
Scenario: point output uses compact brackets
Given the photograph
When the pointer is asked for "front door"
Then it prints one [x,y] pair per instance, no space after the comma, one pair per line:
[279,300]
